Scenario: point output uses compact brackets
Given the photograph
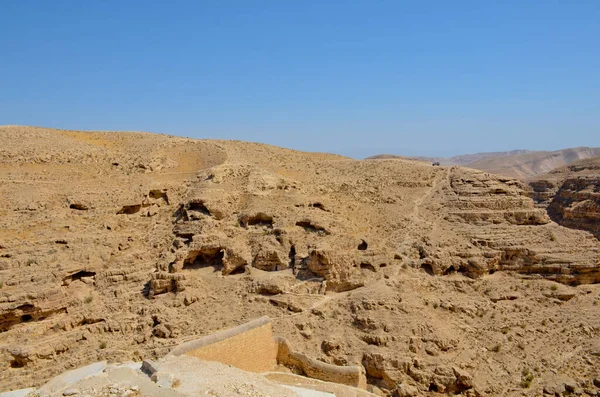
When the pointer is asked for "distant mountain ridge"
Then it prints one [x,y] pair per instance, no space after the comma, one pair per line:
[515,163]
[462,159]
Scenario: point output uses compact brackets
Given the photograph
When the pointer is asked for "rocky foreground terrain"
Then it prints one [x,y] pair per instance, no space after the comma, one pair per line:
[119,246]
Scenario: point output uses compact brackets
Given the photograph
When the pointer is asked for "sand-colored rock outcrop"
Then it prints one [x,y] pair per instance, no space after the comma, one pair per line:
[458,220]
[577,204]
[571,195]
[118,246]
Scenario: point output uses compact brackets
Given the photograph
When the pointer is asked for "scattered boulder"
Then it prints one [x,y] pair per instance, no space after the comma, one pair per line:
[270,259]
[330,346]
[163,379]
[267,287]
[162,282]
[149,367]
[21,356]
[404,390]
[163,331]
[561,293]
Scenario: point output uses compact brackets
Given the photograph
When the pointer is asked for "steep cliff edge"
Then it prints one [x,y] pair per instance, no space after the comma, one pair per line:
[571,195]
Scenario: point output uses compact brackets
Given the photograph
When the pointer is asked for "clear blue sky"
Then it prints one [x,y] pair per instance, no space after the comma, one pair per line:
[350,77]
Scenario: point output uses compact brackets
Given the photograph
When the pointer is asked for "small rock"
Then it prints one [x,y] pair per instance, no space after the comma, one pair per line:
[149,367]
[21,355]
[140,338]
[286,303]
[403,390]
[88,280]
[163,379]
[327,346]
[431,351]
[161,331]
[495,297]
[554,389]
[414,344]
[189,299]
[571,386]
[597,382]
[464,380]
[152,211]
[70,392]
[562,293]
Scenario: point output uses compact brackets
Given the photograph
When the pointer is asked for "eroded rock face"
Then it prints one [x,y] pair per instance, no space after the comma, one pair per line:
[543,191]
[130,243]
[164,282]
[577,204]
[467,222]
[571,195]
[489,224]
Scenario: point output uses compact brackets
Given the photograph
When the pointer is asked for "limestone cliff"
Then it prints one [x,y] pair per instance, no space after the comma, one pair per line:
[571,195]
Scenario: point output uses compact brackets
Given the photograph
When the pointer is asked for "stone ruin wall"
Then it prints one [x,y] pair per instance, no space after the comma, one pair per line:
[352,375]
[252,347]
[249,347]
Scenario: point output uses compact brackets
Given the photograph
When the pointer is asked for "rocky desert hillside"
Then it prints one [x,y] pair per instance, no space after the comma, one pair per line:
[521,164]
[571,195]
[119,246]
[463,159]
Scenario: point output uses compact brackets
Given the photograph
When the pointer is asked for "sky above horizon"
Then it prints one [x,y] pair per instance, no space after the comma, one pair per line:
[358,78]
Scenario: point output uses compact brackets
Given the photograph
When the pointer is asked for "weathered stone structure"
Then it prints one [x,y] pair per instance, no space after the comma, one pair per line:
[248,346]
[252,347]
